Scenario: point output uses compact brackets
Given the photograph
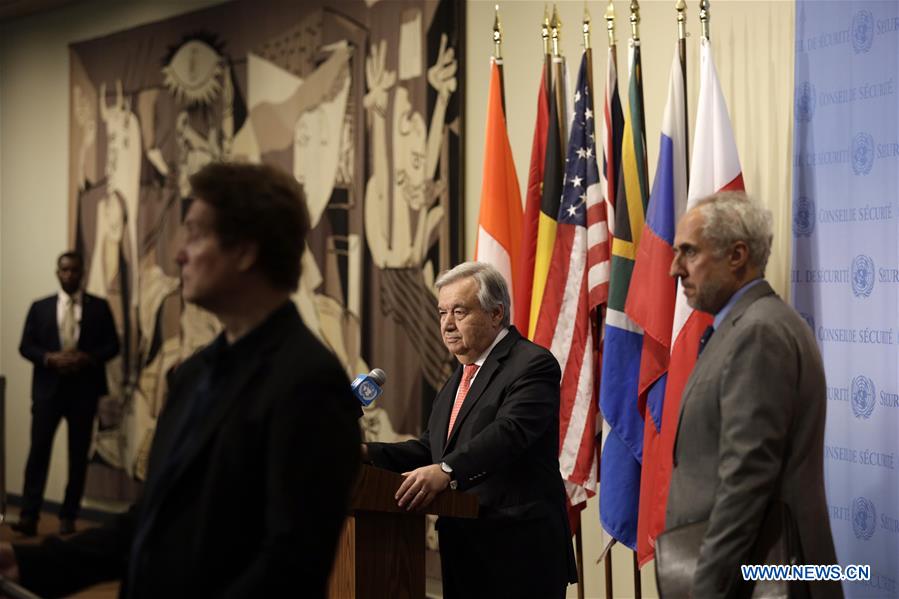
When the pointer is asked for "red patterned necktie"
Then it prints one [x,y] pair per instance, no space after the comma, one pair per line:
[467,374]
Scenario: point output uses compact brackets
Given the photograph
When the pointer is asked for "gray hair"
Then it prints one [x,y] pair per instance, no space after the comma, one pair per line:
[732,216]
[492,289]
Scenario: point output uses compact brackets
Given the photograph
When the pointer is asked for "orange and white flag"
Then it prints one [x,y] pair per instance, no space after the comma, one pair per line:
[499,223]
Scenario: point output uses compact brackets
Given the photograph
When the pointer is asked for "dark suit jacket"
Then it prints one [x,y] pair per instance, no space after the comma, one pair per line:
[97,338]
[751,431]
[255,507]
[504,446]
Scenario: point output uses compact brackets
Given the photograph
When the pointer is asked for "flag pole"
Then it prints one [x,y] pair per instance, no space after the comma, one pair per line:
[578,539]
[635,36]
[610,22]
[555,31]
[635,21]
[579,543]
[704,17]
[681,7]
[588,50]
[606,556]
[547,52]
[498,57]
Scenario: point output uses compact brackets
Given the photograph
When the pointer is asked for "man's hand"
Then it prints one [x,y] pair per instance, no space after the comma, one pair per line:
[9,566]
[68,362]
[60,360]
[81,359]
[421,487]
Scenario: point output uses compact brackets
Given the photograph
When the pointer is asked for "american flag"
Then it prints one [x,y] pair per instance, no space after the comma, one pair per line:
[564,324]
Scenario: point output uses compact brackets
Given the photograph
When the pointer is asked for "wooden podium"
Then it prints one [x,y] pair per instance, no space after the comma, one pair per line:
[381,552]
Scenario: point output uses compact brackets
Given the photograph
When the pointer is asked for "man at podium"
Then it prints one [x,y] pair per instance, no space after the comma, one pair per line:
[493,431]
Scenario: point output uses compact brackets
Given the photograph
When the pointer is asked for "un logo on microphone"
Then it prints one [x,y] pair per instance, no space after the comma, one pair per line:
[862,276]
[803,217]
[864,518]
[862,153]
[806,99]
[862,31]
[863,395]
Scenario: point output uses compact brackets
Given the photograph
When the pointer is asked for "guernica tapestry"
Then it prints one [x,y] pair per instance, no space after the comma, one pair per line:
[360,100]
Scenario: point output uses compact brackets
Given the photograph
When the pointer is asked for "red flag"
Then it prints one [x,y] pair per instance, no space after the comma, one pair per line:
[522,297]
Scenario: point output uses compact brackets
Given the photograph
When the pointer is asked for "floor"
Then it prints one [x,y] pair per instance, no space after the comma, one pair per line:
[49,525]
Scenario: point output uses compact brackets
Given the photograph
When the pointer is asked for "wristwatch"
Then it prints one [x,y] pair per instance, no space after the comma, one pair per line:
[454,484]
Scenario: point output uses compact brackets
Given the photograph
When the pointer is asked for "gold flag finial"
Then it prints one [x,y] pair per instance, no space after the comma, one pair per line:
[555,28]
[681,7]
[635,20]
[704,17]
[545,29]
[586,27]
[610,22]
[497,35]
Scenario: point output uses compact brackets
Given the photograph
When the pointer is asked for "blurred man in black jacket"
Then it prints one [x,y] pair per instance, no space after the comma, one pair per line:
[258,446]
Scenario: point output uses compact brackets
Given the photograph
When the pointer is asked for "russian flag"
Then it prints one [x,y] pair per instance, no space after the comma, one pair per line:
[715,166]
[652,306]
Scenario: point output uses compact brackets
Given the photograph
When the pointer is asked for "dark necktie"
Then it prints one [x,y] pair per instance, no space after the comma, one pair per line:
[705,338]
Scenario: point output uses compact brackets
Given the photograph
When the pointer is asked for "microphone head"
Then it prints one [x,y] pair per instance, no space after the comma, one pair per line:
[378,376]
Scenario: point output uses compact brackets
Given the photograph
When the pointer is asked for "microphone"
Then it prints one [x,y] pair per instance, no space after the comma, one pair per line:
[368,387]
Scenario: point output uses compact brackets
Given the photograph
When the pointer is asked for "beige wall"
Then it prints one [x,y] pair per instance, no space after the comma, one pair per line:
[752,42]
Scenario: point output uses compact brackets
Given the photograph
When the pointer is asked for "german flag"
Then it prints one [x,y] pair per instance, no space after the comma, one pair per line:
[551,196]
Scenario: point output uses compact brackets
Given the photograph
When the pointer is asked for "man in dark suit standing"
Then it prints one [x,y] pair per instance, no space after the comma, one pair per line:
[493,431]
[257,448]
[751,432]
[68,337]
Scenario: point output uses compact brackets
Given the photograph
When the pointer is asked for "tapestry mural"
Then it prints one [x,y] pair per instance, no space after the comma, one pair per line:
[360,100]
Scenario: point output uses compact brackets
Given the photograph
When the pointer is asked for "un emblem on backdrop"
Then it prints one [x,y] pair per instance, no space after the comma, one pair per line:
[862,153]
[806,99]
[862,276]
[864,518]
[862,31]
[862,390]
[804,217]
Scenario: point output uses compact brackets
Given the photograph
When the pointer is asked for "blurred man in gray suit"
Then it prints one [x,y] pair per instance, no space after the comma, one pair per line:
[751,429]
